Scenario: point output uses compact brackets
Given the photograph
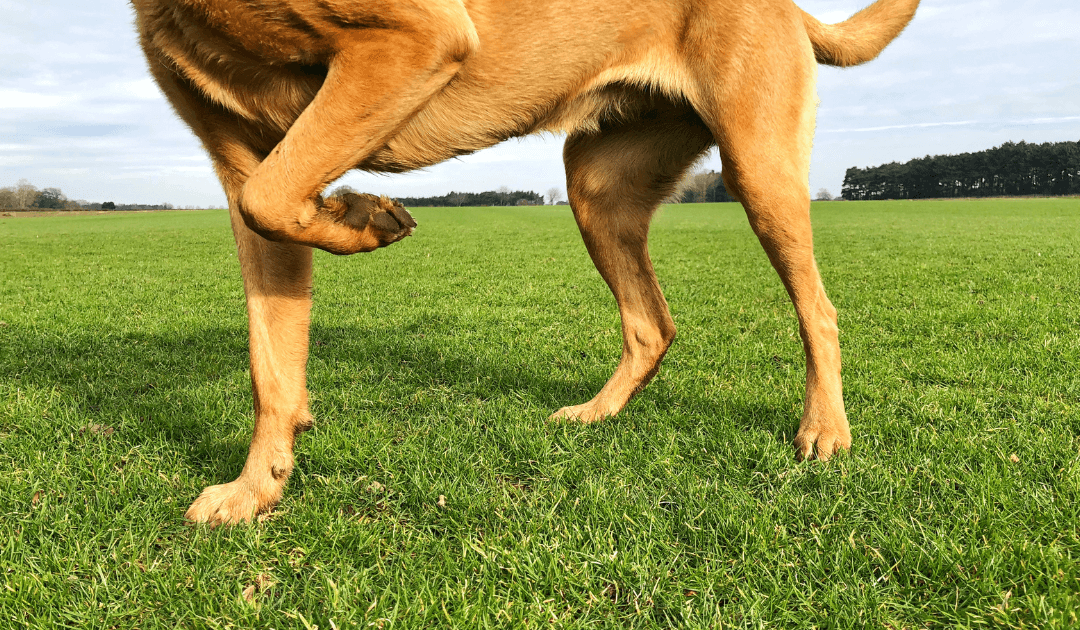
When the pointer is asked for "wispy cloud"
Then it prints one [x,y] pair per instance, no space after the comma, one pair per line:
[1020,122]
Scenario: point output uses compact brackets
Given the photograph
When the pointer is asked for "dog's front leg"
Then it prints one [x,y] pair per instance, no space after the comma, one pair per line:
[376,80]
[277,282]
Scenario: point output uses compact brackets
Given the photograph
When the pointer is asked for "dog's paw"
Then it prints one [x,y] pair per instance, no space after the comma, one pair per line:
[373,221]
[585,414]
[230,503]
[817,441]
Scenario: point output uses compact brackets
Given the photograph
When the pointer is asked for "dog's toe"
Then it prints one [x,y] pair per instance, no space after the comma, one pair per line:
[379,220]
[229,504]
[585,414]
[821,444]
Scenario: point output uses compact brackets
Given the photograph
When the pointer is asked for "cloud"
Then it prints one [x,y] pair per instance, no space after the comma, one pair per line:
[79,111]
[959,123]
[964,76]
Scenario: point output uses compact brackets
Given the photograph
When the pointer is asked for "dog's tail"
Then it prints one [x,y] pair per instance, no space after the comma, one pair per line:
[862,36]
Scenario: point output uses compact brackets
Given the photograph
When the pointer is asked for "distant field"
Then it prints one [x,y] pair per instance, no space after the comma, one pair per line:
[124,391]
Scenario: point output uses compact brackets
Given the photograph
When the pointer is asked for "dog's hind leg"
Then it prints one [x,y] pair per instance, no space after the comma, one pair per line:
[615,181]
[763,117]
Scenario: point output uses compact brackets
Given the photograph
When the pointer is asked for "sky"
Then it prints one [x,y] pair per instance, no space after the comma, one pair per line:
[79,111]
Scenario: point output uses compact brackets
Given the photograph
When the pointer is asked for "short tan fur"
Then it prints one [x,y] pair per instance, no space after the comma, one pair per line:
[288,95]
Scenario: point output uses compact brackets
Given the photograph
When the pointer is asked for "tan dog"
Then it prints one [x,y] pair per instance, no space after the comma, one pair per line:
[287,95]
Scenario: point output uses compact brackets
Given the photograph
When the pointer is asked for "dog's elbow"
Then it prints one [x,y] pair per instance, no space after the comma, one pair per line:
[460,42]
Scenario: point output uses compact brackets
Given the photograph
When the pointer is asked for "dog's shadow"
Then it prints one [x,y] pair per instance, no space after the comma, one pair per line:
[417,361]
[191,387]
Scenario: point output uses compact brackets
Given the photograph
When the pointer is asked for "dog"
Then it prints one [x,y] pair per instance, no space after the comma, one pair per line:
[288,95]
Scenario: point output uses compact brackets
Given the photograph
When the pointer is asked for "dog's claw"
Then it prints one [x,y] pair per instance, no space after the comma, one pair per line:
[352,223]
[380,220]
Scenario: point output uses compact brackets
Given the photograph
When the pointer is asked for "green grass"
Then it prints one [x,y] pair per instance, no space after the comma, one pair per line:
[124,391]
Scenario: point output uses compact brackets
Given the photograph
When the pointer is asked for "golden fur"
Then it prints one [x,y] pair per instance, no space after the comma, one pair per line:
[287,95]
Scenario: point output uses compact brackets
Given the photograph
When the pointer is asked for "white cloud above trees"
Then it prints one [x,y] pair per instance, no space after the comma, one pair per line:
[79,112]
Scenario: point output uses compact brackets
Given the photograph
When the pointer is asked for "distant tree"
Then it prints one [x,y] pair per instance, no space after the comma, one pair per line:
[108,205]
[823,194]
[700,181]
[25,194]
[7,197]
[503,197]
[699,185]
[718,193]
[1012,169]
[340,191]
[554,194]
[50,198]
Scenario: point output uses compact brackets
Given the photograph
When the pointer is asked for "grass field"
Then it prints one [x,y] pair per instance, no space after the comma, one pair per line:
[124,391]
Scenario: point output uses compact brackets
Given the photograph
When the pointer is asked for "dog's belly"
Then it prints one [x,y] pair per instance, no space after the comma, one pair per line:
[524,79]
[458,124]
[465,118]
[475,112]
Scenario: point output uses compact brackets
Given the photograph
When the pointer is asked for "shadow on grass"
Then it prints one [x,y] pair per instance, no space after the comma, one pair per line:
[397,353]
[193,389]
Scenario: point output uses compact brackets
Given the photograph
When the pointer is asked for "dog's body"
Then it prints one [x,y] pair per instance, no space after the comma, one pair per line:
[287,95]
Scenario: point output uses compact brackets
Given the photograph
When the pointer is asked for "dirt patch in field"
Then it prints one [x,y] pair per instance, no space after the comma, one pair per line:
[49,213]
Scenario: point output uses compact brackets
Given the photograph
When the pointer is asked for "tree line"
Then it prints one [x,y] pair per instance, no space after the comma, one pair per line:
[1012,169]
[25,196]
[486,198]
[501,197]
[700,186]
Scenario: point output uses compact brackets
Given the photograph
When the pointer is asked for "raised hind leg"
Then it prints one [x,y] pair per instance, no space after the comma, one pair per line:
[760,102]
[615,180]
